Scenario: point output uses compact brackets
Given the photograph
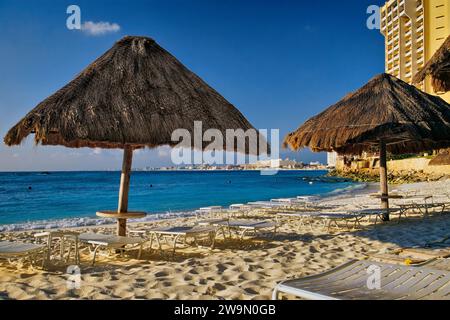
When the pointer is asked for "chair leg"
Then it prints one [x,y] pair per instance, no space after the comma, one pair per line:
[242,234]
[95,254]
[69,253]
[222,229]
[275,295]
[140,251]
[61,248]
[49,247]
[175,245]
[151,241]
[77,252]
[213,239]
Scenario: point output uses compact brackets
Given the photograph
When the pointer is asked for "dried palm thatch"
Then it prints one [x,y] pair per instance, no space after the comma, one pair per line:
[386,108]
[438,68]
[136,94]
[386,114]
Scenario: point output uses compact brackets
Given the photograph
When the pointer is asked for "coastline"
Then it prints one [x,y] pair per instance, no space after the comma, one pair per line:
[234,270]
[41,225]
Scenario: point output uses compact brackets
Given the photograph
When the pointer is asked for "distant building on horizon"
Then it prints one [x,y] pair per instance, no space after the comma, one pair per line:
[273,164]
[332,159]
[414,30]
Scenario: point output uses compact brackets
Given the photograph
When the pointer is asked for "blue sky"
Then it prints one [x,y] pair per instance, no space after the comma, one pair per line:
[279,62]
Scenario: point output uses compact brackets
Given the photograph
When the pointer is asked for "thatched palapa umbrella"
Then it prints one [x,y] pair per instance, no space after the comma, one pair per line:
[386,114]
[438,67]
[133,96]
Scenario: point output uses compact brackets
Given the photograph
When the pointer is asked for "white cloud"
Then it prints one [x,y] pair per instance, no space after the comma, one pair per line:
[96,152]
[99,28]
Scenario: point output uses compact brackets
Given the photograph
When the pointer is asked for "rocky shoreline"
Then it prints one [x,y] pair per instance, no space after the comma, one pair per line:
[403,177]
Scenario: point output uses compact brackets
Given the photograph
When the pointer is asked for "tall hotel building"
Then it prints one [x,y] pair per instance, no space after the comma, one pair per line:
[414,30]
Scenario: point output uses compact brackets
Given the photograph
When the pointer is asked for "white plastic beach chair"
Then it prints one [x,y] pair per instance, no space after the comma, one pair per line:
[270,207]
[211,209]
[19,250]
[179,235]
[352,281]
[327,220]
[66,240]
[211,217]
[98,242]
[245,227]
[304,219]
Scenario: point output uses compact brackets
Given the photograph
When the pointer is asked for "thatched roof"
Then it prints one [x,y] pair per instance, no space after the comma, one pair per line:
[135,94]
[385,108]
[438,67]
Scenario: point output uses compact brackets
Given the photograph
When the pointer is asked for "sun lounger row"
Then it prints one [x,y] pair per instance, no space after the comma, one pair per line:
[95,244]
[92,242]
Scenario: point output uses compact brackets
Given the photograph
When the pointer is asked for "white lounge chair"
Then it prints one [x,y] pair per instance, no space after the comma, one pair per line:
[211,209]
[98,242]
[274,206]
[66,240]
[240,210]
[350,282]
[255,227]
[327,220]
[423,205]
[179,235]
[19,250]
[209,218]
[240,206]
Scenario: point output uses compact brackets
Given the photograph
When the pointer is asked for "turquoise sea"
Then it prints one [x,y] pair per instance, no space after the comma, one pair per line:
[34,198]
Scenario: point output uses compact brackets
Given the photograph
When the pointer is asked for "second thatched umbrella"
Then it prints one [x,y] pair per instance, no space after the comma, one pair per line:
[438,67]
[386,114]
[133,96]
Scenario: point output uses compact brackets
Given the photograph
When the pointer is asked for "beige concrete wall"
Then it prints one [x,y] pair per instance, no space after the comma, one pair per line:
[398,166]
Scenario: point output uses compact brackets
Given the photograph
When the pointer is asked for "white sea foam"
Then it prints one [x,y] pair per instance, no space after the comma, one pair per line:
[84,222]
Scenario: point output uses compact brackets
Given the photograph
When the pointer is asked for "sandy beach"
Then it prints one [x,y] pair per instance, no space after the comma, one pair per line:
[235,269]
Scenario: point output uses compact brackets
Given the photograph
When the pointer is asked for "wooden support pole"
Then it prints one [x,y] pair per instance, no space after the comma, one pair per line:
[124,189]
[384,181]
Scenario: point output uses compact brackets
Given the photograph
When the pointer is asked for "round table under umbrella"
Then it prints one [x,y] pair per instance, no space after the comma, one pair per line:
[134,96]
[385,115]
